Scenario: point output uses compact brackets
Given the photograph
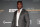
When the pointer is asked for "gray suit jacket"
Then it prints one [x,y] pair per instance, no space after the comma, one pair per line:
[24,20]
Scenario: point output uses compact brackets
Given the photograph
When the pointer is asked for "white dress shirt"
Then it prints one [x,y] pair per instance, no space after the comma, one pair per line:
[17,16]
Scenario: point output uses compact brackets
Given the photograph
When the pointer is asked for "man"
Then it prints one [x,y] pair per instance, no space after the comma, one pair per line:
[21,17]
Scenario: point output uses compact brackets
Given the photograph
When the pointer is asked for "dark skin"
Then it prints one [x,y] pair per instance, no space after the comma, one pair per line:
[19,6]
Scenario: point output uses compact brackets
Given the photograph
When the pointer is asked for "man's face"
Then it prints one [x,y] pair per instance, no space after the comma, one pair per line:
[19,5]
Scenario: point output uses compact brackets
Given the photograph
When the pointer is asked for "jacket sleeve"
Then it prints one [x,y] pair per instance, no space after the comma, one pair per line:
[27,19]
[12,21]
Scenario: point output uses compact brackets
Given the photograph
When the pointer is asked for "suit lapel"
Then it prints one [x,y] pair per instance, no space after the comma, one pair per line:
[21,12]
[15,18]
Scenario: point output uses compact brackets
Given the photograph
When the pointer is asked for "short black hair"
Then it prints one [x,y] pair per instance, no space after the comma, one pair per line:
[19,2]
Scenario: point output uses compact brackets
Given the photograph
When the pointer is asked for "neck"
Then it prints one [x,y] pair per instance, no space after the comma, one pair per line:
[19,10]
